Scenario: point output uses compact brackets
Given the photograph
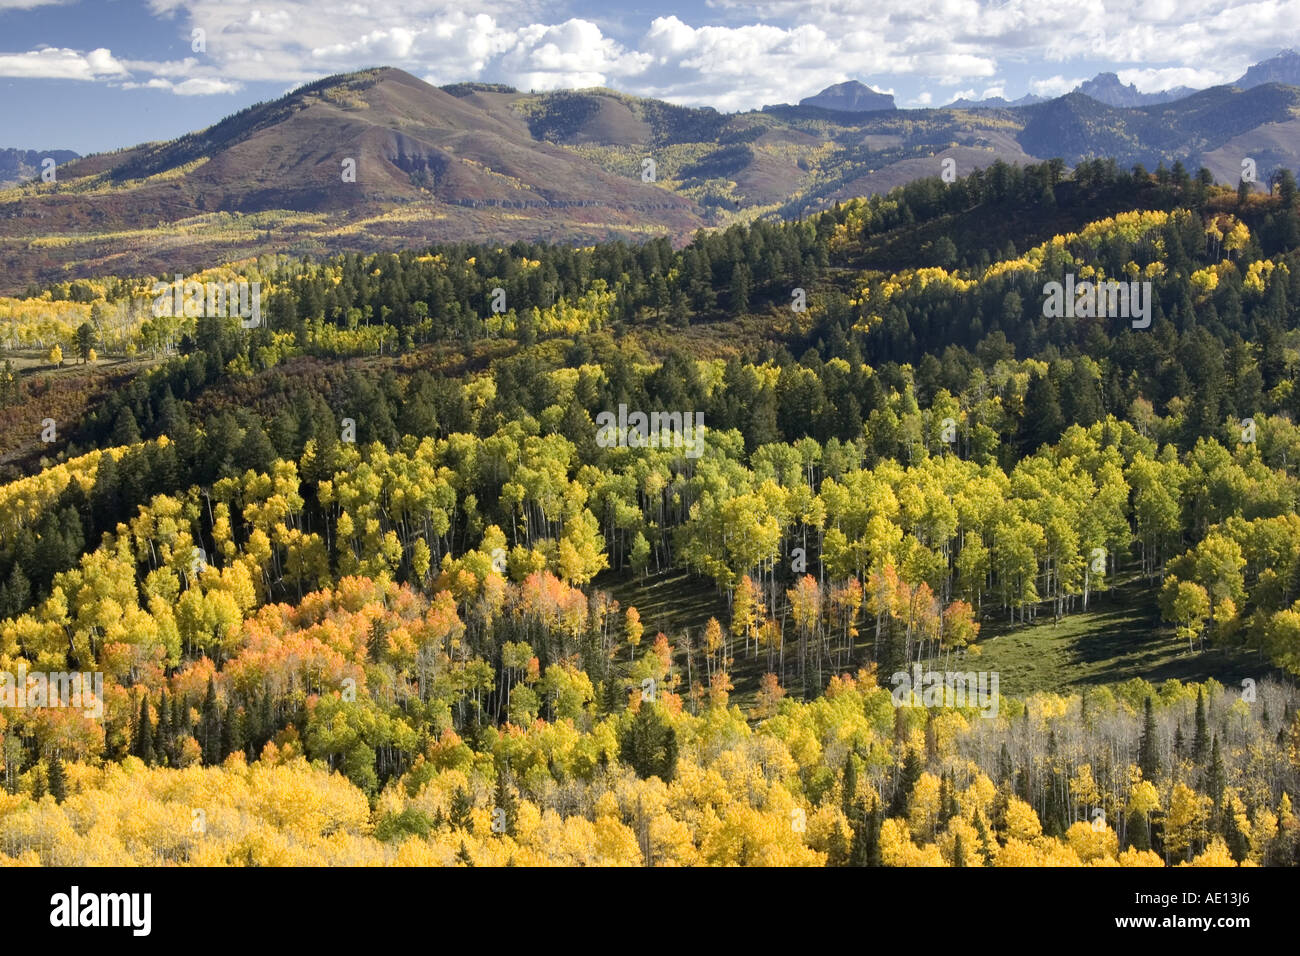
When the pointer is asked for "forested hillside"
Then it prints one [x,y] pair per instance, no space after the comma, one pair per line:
[374,579]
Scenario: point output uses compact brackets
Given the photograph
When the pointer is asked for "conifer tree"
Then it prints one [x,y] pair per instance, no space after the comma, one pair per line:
[1148,754]
[461,818]
[907,780]
[1201,739]
[58,782]
[1216,777]
[164,743]
[849,787]
[142,747]
[210,726]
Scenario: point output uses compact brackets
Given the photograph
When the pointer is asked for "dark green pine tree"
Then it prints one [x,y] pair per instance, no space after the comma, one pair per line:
[460,811]
[875,822]
[1136,831]
[739,297]
[142,746]
[1022,785]
[1043,421]
[837,848]
[611,698]
[1232,835]
[210,726]
[958,852]
[1201,740]
[267,722]
[1216,777]
[906,782]
[164,739]
[945,797]
[860,846]
[232,731]
[503,798]
[181,719]
[462,855]
[1180,742]
[849,787]
[1148,754]
[58,782]
[1004,765]
[984,851]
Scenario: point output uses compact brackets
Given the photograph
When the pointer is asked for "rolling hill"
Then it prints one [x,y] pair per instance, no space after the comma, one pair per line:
[476,161]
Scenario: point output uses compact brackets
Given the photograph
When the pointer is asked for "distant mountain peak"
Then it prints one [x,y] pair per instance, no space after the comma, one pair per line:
[1283,68]
[1107,88]
[850,97]
[995,102]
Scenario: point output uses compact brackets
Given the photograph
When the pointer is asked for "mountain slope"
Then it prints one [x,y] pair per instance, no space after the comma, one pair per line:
[1283,68]
[486,162]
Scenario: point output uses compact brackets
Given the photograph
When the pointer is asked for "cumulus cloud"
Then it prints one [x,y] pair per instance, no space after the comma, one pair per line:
[732,54]
[51,63]
[1055,85]
[1153,81]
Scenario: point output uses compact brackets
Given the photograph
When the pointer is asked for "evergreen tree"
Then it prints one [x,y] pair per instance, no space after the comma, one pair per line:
[906,782]
[460,811]
[1148,753]
[164,742]
[58,782]
[945,796]
[210,727]
[860,846]
[504,799]
[1216,777]
[142,746]
[849,787]
[985,850]
[1137,831]
[1233,836]
[837,850]
[875,822]
[1202,737]
[232,731]
[649,745]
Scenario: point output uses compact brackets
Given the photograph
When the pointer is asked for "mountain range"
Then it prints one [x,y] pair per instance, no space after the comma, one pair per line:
[379,159]
[17,165]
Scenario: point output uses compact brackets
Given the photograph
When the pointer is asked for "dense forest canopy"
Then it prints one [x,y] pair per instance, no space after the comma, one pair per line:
[374,552]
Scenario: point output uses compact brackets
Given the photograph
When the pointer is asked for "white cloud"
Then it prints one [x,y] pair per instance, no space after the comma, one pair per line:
[1153,81]
[746,54]
[204,86]
[1055,85]
[53,63]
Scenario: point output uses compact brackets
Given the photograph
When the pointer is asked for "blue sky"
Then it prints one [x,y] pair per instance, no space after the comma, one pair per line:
[94,75]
